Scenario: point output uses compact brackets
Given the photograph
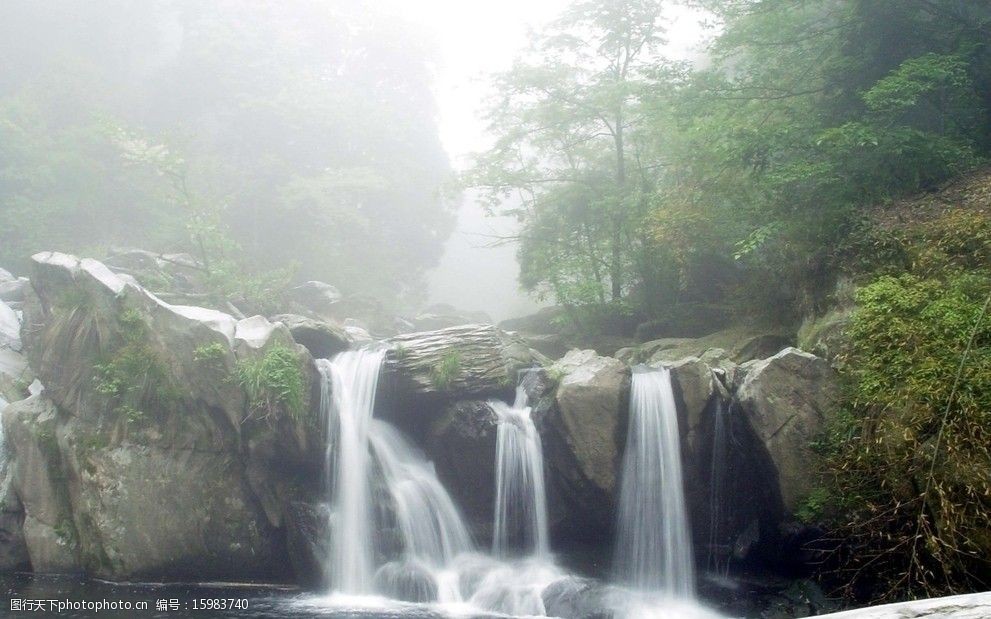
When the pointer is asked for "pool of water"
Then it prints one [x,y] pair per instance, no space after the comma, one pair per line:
[76,597]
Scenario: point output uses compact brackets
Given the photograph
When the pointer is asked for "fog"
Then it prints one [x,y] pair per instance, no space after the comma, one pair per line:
[260,261]
[304,140]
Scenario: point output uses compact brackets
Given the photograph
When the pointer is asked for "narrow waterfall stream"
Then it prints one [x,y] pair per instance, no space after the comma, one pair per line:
[718,467]
[653,546]
[521,502]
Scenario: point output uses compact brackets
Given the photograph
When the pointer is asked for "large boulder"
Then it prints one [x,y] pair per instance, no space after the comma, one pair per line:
[556,330]
[15,375]
[736,345]
[208,419]
[786,399]
[547,320]
[697,390]
[583,426]
[442,316]
[13,550]
[424,372]
[733,501]
[37,476]
[318,297]
[323,339]
[591,398]
[13,291]
[177,278]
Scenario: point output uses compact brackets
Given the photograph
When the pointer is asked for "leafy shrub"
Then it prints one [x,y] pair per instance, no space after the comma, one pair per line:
[133,376]
[909,473]
[273,383]
[211,355]
[446,371]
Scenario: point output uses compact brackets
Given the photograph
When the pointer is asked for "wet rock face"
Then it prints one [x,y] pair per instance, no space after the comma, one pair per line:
[36,484]
[458,362]
[462,446]
[425,373]
[583,425]
[146,455]
[786,399]
[591,397]
[577,598]
[308,534]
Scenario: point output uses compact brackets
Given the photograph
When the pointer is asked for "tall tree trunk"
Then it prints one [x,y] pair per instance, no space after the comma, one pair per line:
[616,268]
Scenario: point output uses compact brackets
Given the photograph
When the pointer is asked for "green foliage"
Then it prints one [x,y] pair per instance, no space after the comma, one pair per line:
[65,531]
[273,383]
[736,183]
[400,351]
[567,148]
[446,371]
[212,355]
[914,519]
[814,505]
[133,377]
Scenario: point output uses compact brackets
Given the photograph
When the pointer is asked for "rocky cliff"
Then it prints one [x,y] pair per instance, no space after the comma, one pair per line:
[170,441]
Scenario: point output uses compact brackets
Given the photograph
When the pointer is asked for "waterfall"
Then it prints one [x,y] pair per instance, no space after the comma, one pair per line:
[717,481]
[347,402]
[521,503]
[431,526]
[653,547]
[375,476]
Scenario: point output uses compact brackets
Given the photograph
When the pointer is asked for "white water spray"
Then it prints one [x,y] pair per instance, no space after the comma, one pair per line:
[653,548]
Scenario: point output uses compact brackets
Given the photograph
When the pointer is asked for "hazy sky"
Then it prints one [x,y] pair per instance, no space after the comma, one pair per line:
[472,39]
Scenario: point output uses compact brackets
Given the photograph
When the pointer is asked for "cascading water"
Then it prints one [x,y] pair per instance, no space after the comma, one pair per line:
[432,530]
[366,456]
[653,547]
[520,522]
[395,530]
[348,401]
[717,481]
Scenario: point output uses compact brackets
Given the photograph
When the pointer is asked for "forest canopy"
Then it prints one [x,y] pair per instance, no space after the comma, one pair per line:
[737,182]
[261,137]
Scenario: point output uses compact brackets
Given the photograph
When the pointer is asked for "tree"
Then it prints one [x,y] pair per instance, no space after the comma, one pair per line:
[566,121]
[807,115]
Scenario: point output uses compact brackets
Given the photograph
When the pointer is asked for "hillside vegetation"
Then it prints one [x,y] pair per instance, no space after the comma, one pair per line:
[795,175]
